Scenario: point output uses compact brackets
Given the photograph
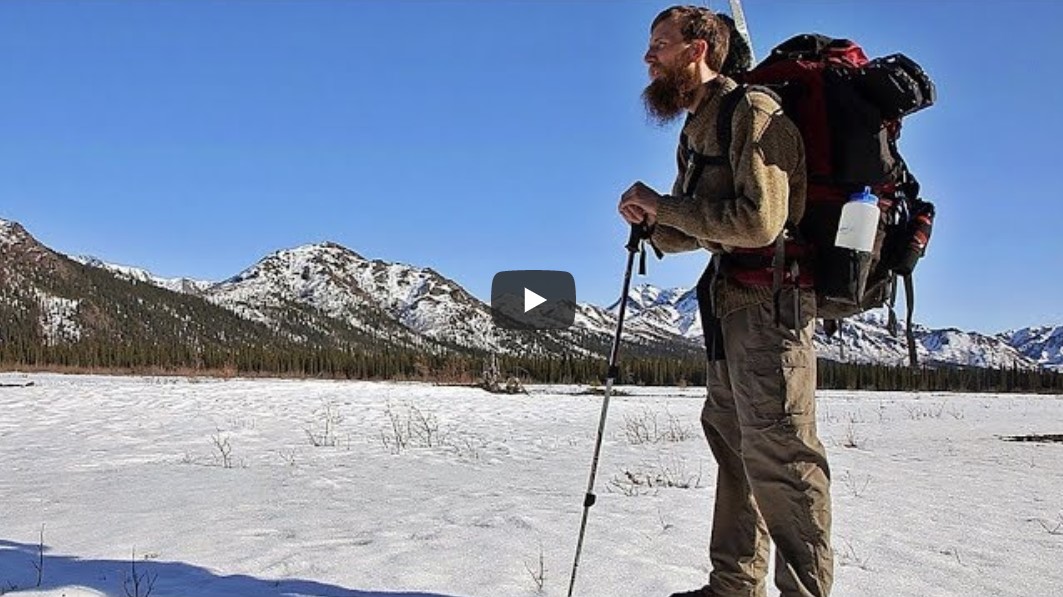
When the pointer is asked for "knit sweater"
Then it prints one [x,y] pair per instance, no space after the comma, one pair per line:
[744,206]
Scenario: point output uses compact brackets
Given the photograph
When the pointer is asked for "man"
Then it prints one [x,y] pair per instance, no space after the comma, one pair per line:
[759,417]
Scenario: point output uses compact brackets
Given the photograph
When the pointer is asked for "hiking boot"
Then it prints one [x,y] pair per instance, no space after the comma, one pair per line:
[702,592]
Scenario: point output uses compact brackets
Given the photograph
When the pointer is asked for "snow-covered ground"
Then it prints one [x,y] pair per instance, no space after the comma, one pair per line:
[928,499]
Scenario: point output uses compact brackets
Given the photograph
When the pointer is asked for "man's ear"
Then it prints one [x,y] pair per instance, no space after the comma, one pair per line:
[699,49]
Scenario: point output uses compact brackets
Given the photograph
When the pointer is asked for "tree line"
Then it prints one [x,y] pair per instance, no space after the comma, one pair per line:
[353,362]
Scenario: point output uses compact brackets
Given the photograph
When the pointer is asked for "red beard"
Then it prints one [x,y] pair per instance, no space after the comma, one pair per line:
[668,95]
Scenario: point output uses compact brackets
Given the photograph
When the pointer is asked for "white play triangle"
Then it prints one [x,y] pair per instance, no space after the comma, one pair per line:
[532,300]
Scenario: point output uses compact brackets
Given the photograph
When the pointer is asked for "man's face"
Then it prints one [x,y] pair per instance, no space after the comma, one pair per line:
[673,72]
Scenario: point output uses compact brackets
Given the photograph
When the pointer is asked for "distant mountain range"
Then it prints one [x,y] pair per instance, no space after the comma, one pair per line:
[866,339]
[326,294]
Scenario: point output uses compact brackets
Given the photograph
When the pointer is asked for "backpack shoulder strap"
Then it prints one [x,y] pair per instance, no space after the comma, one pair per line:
[724,120]
[729,105]
[698,161]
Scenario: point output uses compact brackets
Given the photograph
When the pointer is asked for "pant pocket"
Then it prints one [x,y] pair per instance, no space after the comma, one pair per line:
[779,387]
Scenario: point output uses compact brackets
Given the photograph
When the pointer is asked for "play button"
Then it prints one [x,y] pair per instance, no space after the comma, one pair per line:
[533,299]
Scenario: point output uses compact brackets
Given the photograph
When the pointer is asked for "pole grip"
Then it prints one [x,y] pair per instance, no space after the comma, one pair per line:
[638,232]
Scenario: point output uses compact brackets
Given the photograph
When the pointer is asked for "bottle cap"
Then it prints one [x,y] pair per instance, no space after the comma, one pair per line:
[864,196]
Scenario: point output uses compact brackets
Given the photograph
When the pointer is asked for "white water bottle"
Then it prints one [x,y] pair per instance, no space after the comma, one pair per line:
[859,222]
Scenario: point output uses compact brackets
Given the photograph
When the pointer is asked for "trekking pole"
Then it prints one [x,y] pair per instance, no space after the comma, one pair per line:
[739,17]
[638,232]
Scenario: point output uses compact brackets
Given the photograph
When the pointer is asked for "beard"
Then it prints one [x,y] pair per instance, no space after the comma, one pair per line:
[668,95]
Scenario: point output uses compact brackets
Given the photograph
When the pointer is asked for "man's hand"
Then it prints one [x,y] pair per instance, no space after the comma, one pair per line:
[638,204]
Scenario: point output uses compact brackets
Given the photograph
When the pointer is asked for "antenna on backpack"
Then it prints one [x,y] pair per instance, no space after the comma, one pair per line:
[740,25]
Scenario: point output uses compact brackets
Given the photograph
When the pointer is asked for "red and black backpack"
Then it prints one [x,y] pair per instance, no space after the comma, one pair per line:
[848,110]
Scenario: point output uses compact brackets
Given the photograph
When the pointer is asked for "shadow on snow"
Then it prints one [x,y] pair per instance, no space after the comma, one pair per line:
[114,578]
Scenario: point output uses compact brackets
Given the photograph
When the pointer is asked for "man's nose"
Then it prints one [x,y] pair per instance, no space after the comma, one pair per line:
[649,57]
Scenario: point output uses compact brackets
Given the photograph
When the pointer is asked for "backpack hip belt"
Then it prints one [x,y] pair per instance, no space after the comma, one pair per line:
[758,267]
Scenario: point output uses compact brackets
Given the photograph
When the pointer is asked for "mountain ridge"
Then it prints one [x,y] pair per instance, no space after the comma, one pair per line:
[331,289]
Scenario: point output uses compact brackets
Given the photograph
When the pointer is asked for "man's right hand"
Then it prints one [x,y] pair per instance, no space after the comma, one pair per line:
[638,205]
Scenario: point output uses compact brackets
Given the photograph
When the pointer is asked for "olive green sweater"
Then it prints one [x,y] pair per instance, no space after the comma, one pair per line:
[744,206]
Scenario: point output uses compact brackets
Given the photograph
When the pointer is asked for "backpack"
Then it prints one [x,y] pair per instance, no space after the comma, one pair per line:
[848,110]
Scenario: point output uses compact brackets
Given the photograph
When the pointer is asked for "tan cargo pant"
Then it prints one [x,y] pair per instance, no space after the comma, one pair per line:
[773,481]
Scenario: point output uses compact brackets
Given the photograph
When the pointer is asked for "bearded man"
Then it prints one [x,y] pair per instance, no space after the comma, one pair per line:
[740,194]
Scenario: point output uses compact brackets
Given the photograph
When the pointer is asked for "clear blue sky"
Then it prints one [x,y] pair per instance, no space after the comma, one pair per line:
[194,138]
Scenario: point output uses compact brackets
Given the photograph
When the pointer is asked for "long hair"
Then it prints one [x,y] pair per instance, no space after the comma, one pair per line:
[698,22]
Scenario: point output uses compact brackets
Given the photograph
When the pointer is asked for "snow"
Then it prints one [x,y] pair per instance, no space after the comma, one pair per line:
[330,281]
[308,274]
[954,346]
[645,296]
[1043,344]
[58,318]
[928,499]
[10,232]
[656,312]
[341,284]
[137,274]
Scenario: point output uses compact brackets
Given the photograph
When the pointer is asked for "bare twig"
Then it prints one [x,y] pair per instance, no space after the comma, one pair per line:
[646,428]
[39,564]
[856,487]
[664,524]
[425,427]
[1053,528]
[666,474]
[136,583]
[288,456]
[329,419]
[538,575]
[399,438]
[224,449]
[849,557]
[413,427]
[852,439]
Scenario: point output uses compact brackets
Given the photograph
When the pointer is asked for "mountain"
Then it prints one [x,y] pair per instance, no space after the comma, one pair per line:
[416,303]
[185,285]
[49,301]
[328,295]
[330,291]
[318,285]
[1042,344]
[327,282]
[865,338]
[672,311]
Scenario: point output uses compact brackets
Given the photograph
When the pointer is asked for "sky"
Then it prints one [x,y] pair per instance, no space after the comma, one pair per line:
[195,138]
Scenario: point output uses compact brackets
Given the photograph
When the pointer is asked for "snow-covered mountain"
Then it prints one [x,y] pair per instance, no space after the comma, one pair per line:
[342,284]
[324,287]
[866,338]
[325,283]
[185,285]
[1042,344]
[49,300]
[673,311]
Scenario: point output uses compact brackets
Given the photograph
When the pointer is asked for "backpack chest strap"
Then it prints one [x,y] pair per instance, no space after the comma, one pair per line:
[724,121]
[696,164]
